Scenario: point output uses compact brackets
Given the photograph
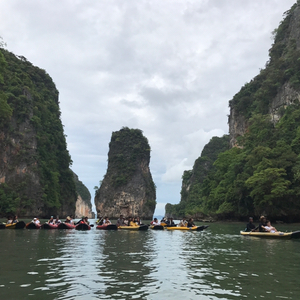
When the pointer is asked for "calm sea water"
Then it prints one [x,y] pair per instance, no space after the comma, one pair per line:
[215,264]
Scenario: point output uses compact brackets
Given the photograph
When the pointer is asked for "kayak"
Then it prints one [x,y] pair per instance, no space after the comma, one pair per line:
[82,226]
[194,228]
[2,226]
[141,227]
[32,225]
[49,226]
[65,226]
[157,227]
[107,227]
[275,235]
[18,225]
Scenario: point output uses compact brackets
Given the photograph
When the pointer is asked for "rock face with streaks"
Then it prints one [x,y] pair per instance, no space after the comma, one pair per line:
[127,187]
[83,202]
[35,175]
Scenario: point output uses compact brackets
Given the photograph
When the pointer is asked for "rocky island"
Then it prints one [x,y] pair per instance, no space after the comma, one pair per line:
[35,174]
[127,187]
[255,170]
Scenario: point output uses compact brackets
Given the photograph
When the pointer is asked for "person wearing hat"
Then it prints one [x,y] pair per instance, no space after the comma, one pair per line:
[250,226]
[262,224]
[68,220]
[36,221]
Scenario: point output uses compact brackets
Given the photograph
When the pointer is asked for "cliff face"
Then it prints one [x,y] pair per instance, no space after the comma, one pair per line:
[286,90]
[259,174]
[35,179]
[127,187]
[83,202]
[193,179]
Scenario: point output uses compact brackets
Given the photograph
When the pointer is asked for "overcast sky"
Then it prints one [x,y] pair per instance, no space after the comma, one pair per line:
[167,67]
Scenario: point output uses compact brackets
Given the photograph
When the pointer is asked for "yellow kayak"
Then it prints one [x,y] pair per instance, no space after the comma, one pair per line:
[194,228]
[19,225]
[141,227]
[275,235]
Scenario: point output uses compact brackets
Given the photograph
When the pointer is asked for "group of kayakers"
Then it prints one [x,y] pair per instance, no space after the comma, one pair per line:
[52,220]
[12,219]
[136,221]
[263,226]
[170,222]
[129,221]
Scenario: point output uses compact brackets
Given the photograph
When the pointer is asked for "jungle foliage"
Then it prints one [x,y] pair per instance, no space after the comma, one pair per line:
[261,174]
[29,106]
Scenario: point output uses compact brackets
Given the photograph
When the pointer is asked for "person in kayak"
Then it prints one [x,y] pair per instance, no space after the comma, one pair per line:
[131,222]
[106,221]
[262,224]
[36,221]
[15,220]
[86,220]
[182,223]
[138,221]
[9,220]
[120,221]
[51,220]
[69,220]
[190,223]
[57,220]
[269,227]
[155,222]
[250,226]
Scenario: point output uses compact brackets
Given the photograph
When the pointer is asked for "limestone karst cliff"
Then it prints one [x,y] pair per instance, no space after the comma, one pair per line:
[277,86]
[127,187]
[83,202]
[35,175]
[259,174]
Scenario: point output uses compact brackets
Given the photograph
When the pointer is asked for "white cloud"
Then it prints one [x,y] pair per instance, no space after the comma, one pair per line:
[166,67]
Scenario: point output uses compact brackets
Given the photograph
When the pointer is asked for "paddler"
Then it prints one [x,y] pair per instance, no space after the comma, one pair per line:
[190,223]
[250,226]
[120,221]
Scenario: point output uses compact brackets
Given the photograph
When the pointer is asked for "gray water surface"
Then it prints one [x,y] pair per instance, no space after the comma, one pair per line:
[215,264]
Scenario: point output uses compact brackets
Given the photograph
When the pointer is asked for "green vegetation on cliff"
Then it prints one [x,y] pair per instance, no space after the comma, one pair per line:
[127,186]
[262,174]
[129,147]
[82,190]
[33,146]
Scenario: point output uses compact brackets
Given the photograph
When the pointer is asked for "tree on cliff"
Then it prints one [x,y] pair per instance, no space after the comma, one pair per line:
[35,175]
[261,174]
[127,186]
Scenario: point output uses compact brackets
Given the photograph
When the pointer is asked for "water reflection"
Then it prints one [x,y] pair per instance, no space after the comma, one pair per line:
[216,264]
[126,266]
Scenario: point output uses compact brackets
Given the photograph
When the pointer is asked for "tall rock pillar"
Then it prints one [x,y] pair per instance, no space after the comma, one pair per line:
[127,187]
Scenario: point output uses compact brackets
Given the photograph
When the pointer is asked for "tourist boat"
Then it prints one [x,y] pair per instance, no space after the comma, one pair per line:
[107,227]
[32,225]
[2,226]
[18,225]
[141,227]
[64,225]
[275,235]
[157,227]
[49,226]
[82,226]
[194,228]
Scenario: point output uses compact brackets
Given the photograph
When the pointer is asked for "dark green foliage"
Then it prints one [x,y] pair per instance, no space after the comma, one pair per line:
[82,190]
[262,174]
[29,107]
[127,148]
[192,181]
